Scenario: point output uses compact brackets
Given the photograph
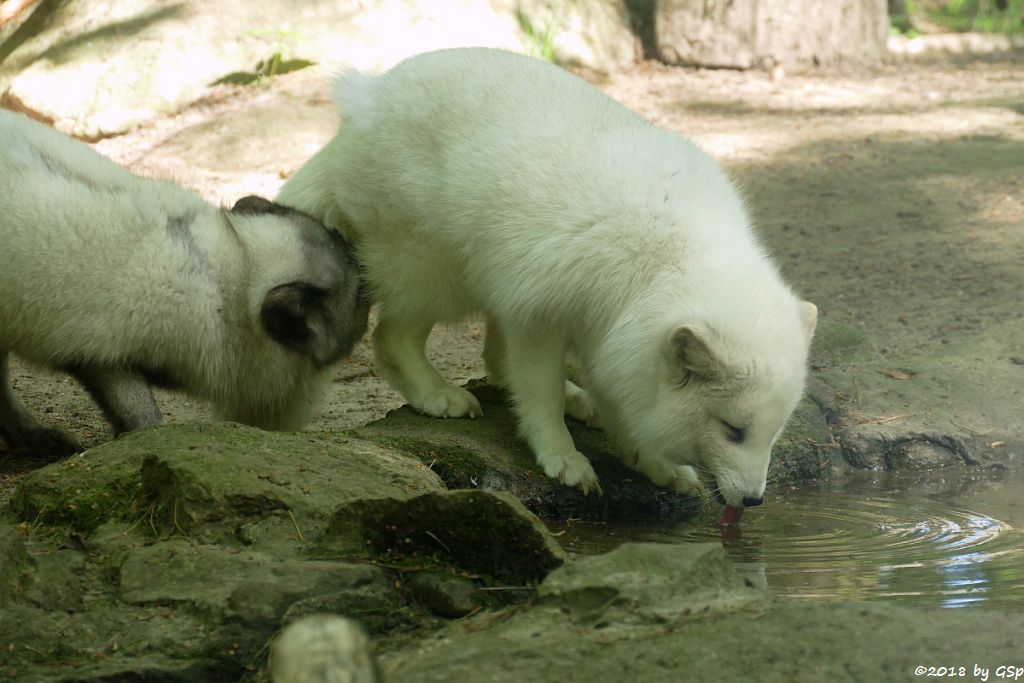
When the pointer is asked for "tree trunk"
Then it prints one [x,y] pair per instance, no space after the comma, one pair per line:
[747,33]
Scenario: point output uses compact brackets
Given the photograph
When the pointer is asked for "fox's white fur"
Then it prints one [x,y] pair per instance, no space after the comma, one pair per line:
[475,181]
[123,281]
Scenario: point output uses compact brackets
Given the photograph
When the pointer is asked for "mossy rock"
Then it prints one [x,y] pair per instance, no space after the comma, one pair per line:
[14,561]
[805,450]
[211,479]
[251,588]
[111,641]
[487,453]
[86,490]
[484,533]
[284,484]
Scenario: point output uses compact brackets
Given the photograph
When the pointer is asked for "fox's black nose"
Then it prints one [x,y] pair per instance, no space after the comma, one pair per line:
[752,502]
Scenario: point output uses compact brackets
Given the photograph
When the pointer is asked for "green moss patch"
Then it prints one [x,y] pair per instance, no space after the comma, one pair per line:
[488,534]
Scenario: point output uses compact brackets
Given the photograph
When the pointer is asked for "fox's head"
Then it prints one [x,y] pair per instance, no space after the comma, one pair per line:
[708,394]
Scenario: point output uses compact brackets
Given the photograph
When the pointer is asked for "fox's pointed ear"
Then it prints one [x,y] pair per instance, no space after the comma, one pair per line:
[691,355]
[809,316]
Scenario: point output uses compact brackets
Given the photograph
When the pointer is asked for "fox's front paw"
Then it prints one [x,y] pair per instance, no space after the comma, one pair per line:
[686,481]
[50,444]
[451,401]
[572,469]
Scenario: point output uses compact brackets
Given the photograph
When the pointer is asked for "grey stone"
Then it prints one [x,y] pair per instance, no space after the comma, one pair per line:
[925,452]
[253,588]
[444,595]
[649,582]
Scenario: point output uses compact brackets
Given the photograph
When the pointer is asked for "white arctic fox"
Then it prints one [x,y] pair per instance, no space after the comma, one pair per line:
[478,181]
[125,281]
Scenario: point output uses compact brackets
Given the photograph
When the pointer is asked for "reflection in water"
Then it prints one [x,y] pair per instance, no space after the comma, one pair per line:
[830,544]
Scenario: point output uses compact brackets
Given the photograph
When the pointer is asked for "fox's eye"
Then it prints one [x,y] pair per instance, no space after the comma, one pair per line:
[733,433]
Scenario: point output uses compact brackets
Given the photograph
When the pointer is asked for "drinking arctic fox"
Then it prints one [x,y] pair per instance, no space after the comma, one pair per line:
[126,281]
[476,181]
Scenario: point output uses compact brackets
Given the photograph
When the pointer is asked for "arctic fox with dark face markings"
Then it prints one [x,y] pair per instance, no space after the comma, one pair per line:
[126,281]
[476,181]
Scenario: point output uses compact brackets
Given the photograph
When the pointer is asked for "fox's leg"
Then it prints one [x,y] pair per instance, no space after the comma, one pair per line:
[124,398]
[535,372]
[399,347]
[577,401]
[21,430]
[494,354]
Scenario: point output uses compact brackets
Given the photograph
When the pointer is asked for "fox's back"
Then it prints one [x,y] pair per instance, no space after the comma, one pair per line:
[87,247]
[498,168]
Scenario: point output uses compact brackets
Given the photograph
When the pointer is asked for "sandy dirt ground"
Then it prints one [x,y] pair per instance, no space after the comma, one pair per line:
[892,198]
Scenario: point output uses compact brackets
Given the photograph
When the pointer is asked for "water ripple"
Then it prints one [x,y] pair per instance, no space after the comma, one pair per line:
[835,546]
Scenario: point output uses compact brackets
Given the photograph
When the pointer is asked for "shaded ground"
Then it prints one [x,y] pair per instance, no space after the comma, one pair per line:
[893,199]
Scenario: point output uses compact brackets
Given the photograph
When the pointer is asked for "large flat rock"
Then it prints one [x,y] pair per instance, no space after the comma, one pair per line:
[217,481]
[253,588]
[487,453]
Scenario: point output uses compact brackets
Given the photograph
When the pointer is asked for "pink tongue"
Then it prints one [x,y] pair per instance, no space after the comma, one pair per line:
[730,516]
